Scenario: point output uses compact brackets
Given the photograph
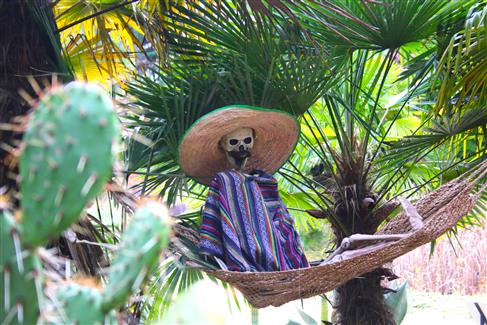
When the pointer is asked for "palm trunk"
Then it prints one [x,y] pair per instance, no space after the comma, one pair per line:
[25,52]
[361,301]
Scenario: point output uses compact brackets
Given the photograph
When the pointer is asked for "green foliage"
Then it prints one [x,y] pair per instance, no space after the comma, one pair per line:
[463,63]
[450,76]
[139,251]
[171,101]
[67,158]
[262,62]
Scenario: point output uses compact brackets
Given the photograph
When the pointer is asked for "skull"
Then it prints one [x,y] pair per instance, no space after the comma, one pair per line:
[237,146]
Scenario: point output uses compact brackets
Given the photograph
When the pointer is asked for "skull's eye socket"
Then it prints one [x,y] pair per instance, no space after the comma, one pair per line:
[233,142]
[247,140]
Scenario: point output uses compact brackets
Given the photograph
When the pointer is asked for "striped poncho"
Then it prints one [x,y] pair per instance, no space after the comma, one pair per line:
[246,225]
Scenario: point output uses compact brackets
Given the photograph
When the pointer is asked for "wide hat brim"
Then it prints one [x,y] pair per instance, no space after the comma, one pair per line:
[276,134]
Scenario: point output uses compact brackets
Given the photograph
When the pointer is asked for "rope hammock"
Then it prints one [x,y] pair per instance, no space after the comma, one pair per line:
[440,210]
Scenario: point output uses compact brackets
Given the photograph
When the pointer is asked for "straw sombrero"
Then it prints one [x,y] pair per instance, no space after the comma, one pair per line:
[276,134]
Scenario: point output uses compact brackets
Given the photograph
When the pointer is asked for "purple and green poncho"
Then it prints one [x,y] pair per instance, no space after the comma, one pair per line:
[246,225]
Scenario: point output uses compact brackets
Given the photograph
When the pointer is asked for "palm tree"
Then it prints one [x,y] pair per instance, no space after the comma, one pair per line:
[361,169]
[353,137]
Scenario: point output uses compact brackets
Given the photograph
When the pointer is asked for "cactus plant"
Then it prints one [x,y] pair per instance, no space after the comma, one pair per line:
[21,277]
[139,251]
[67,158]
[82,305]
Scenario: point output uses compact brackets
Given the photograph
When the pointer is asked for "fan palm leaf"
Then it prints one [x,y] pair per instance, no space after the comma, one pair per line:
[384,24]
[464,63]
[458,119]
[103,41]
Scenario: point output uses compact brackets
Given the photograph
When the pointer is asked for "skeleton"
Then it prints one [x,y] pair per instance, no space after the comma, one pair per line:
[237,146]
[359,244]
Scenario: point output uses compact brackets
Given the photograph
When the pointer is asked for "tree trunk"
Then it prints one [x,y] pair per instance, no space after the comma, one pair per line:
[25,51]
[361,301]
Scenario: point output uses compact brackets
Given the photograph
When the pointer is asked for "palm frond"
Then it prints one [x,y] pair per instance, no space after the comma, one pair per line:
[165,105]
[464,64]
[58,57]
[384,24]
[269,61]
[172,279]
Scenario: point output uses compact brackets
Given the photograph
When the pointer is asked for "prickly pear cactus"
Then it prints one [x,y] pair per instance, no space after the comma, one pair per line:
[82,305]
[20,277]
[139,251]
[67,158]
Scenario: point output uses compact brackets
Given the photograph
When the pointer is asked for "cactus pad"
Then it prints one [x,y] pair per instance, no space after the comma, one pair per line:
[20,277]
[82,305]
[67,158]
[142,243]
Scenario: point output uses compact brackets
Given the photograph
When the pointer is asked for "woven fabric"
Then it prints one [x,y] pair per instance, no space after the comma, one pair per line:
[246,225]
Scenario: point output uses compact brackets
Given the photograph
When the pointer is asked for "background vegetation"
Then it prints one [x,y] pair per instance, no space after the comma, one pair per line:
[390,94]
